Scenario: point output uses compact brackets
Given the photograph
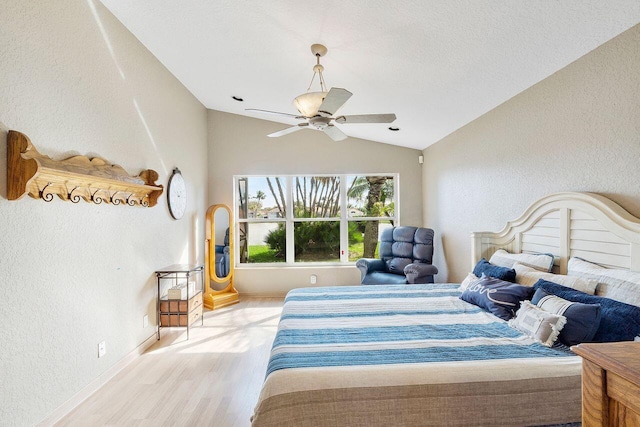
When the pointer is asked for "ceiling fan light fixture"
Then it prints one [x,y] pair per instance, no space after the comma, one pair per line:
[309,103]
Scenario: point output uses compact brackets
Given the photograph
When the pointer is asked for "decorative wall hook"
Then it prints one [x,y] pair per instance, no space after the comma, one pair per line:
[96,199]
[130,200]
[114,200]
[47,197]
[72,197]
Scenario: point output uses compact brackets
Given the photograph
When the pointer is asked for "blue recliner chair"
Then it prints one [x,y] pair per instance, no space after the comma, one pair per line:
[406,254]
[223,257]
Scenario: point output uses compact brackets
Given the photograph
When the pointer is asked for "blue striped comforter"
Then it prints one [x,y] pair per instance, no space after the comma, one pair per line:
[395,324]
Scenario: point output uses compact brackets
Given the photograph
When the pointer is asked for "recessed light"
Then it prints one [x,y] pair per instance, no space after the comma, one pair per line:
[237,98]
[394,129]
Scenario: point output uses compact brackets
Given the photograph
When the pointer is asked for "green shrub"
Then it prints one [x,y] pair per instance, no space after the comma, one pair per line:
[311,237]
[277,241]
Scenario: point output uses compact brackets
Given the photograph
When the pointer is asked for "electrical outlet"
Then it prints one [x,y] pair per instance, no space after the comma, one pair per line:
[313,279]
[102,349]
[145,321]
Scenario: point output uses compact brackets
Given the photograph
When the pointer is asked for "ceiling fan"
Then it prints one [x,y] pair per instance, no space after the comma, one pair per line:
[318,108]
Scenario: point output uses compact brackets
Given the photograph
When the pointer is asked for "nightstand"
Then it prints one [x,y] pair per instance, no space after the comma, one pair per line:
[610,383]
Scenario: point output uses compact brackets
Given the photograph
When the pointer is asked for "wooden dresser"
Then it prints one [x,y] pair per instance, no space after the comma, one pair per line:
[610,384]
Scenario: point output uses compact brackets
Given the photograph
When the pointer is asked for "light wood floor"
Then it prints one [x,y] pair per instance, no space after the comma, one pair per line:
[211,380]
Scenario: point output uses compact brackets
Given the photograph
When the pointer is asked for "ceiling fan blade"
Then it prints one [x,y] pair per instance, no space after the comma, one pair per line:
[334,100]
[335,133]
[367,118]
[288,130]
[297,116]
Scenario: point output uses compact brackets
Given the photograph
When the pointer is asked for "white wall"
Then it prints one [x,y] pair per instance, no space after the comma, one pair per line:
[578,130]
[238,145]
[77,82]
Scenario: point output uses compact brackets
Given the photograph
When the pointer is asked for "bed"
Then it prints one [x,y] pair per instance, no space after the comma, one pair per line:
[419,355]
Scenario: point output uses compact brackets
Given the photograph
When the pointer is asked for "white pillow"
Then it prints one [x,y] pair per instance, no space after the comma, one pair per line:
[618,284]
[467,281]
[540,325]
[542,262]
[526,276]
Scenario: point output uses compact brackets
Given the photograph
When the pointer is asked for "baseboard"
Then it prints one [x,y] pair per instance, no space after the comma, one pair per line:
[278,295]
[95,385]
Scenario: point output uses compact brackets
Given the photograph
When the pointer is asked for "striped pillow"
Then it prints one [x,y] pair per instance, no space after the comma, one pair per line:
[541,262]
[583,320]
[617,284]
[618,321]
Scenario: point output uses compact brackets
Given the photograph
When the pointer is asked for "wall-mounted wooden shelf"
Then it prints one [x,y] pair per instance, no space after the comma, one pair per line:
[78,177]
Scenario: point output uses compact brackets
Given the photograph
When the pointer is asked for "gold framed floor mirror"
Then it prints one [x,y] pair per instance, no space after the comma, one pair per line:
[219,258]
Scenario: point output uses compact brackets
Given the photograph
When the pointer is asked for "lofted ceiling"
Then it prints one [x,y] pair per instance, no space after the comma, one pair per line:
[437,64]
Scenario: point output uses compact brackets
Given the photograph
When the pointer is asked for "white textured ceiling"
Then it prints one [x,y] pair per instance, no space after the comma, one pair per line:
[437,64]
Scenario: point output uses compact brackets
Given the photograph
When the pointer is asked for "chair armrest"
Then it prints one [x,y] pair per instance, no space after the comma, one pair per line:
[368,265]
[418,272]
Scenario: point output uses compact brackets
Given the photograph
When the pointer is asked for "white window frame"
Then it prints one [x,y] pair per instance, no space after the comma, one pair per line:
[290,221]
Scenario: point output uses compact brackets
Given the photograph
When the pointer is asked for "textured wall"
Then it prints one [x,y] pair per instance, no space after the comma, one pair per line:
[77,82]
[238,145]
[578,130]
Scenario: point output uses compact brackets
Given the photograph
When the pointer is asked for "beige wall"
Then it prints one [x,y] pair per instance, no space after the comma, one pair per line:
[238,145]
[77,82]
[578,130]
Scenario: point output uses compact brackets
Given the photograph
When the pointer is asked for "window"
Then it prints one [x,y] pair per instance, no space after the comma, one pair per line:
[312,218]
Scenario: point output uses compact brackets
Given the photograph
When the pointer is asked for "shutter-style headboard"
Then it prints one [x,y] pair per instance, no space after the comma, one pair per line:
[584,225]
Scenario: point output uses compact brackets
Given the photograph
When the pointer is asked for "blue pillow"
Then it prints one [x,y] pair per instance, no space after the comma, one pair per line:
[583,320]
[618,322]
[491,270]
[497,296]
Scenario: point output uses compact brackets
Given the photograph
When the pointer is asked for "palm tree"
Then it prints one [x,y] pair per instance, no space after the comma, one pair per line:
[279,197]
[373,208]
[256,204]
[377,189]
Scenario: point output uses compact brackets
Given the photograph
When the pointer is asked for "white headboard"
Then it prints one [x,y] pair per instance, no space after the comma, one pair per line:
[584,225]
